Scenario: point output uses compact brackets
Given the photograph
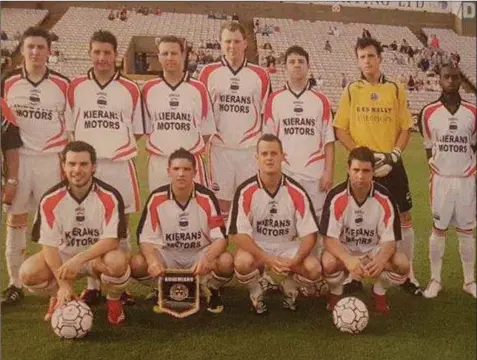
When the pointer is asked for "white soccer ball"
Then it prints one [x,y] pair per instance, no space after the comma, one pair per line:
[350,315]
[72,320]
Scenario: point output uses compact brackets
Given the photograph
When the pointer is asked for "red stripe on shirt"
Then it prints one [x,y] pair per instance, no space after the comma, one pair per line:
[247,198]
[132,88]
[326,105]
[7,113]
[71,89]
[49,204]
[340,205]
[427,117]
[298,199]
[472,108]
[9,83]
[204,97]
[206,71]
[268,114]
[154,204]
[61,83]
[384,202]
[264,80]
[108,203]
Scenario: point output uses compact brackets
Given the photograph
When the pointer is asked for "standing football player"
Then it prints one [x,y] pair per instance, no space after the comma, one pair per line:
[448,126]
[273,224]
[105,111]
[181,227]
[79,224]
[360,223]
[178,113]
[37,97]
[239,91]
[373,112]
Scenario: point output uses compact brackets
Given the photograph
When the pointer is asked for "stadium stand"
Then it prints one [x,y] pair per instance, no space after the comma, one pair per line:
[16,21]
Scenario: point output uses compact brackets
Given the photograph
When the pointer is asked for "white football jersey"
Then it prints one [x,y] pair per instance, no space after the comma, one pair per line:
[303,122]
[39,109]
[238,99]
[360,227]
[73,225]
[190,228]
[451,137]
[177,116]
[107,117]
[272,220]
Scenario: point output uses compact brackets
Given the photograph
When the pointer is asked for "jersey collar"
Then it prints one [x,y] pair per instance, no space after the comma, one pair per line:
[307,87]
[172,197]
[447,104]
[184,79]
[261,186]
[91,76]
[370,194]
[382,79]
[80,200]
[226,63]
[25,76]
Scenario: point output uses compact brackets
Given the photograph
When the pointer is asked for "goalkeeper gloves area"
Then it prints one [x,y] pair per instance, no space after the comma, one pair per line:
[385,162]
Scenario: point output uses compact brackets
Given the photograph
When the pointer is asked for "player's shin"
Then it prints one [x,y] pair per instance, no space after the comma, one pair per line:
[15,252]
[437,245]
[46,288]
[335,282]
[406,245]
[252,282]
[115,285]
[386,280]
[215,281]
[467,254]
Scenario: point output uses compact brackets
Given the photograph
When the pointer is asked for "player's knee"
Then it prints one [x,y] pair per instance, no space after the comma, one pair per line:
[312,267]
[329,263]
[243,262]
[116,262]
[439,232]
[17,220]
[138,265]
[400,263]
[27,274]
[225,263]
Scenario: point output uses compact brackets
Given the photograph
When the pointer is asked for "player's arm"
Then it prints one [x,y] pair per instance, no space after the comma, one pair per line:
[405,120]
[208,127]
[342,118]
[328,138]
[246,243]
[307,229]
[337,249]
[11,142]
[306,246]
[425,135]
[138,120]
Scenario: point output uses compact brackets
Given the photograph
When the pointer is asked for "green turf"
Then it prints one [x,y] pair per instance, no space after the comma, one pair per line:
[442,328]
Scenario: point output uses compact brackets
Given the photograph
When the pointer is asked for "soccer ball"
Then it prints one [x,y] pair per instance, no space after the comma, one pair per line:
[72,320]
[350,315]
[319,289]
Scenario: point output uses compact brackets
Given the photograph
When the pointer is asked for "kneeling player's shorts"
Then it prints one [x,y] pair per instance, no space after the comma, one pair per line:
[157,171]
[229,168]
[122,176]
[36,175]
[453,201]
[181,259]
[287,250]
[398,185]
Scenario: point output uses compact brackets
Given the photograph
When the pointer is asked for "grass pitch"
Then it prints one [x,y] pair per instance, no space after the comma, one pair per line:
[417,328]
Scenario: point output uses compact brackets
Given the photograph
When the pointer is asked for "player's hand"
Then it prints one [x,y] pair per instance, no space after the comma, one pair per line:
[9,191]
[203,267]
[156,269]
[278,265]
[353,264]
[374,268]
[64,295]
[70,269]
[326,181]
[385,162]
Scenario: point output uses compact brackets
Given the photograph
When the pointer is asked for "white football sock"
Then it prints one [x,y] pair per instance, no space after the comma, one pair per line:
[15,253]
[115,285]
[406,245]
[252,282]
[335,282]
[437,245]
[47,288]
[216,281]
[467,255]
[386,280]
[93,284]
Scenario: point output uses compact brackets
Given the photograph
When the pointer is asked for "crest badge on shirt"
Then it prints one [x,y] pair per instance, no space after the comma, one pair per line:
[273,208]
[358,217]
[184,221]
[234,84]
[173,101]
[80,215]
[102,99]
[34,97]
[453,124]
[374,96]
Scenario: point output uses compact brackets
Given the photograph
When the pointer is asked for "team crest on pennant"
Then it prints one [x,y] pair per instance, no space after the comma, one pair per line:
[178,293]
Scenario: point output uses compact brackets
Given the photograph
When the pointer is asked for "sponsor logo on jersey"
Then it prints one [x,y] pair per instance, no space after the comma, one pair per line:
[273,207]
[102,99]
[173,101]
[34,97]
[453,124]
[183,221]
[373,96]
[79,214]
[358,219]
[234,84]
[298,107]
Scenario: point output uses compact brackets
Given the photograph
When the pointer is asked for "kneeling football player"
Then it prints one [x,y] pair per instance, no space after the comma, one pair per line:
[78,224]
[181,227]
[360,224]
[273,224]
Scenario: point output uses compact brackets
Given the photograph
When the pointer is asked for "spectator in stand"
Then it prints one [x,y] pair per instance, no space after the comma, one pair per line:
[235,17]
[365,33]
[404,47]
[419,81]
[267,46]
[424,64]
[123,14]
[328,46]
[216,45]
[393,46]
[344,80]
[53,58]
[410,56]
[402,79]
[411,84]
[319,82]
[157,11]
[4,36]
[211,15]
[455,59]
[17,36]
[434,41]
[111,15]
[256,26]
